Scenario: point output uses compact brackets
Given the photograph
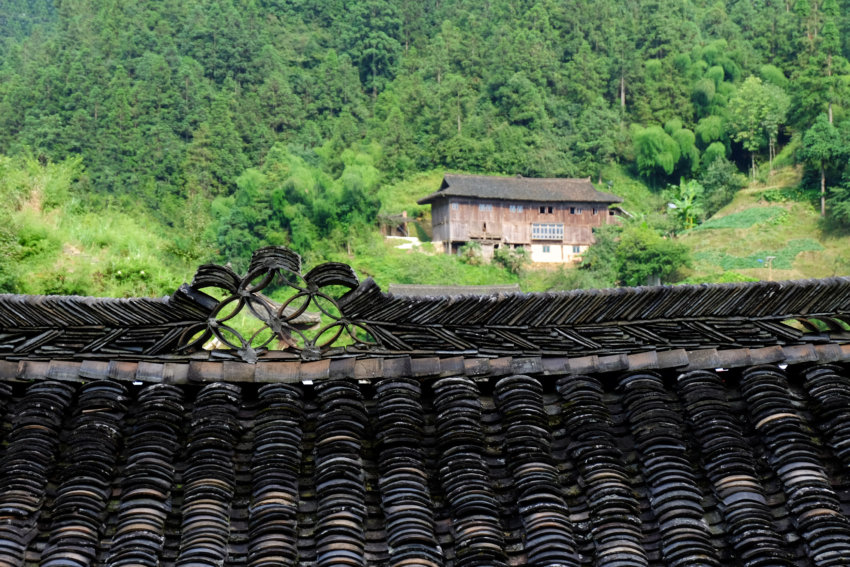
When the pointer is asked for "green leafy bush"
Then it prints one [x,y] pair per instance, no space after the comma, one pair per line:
[513,260]
[470,253]
[721,180]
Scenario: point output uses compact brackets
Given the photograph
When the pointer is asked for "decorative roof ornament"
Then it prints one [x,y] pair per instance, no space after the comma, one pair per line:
[319,291]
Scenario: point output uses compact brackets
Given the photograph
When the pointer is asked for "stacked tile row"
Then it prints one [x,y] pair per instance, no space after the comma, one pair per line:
[275,469]
[658,433]
[152,445]
[614,508]
[340,483]
[815,508]
[405,496]
[209,480]
[79,510]
[829,389]
[37,421]
[464,475]
[731,466]
[5,400]
[548,533]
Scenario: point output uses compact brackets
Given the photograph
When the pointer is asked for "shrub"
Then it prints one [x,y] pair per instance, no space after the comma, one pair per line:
[470,253]
[512,260]
[721,180]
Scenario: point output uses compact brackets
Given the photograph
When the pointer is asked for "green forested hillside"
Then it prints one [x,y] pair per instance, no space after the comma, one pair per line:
[176,132]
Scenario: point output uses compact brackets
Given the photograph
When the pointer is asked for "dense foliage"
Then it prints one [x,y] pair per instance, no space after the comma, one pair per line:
[236,123]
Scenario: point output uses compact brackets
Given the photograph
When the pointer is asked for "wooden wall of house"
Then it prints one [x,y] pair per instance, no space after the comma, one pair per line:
[440,221]
[469,220]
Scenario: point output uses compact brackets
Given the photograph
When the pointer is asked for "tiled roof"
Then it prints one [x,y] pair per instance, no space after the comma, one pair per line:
[651,426]
[552,190]
[744,467]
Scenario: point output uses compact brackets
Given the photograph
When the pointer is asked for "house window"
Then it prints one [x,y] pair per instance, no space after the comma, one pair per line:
[542,210]
[572,210]
[516,208]
[455,206]
[485,207]
[547,231]
[546,248]
[578,210]
[595,210]
[576,249]
[610,213]
[545,210]
[549,210]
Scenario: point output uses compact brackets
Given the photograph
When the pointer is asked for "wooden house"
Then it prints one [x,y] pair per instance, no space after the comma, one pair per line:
[552,218]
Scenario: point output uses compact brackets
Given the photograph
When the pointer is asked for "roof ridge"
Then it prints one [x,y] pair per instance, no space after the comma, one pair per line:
[360,318]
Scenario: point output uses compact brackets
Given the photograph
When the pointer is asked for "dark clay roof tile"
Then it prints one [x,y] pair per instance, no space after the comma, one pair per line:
[519,188]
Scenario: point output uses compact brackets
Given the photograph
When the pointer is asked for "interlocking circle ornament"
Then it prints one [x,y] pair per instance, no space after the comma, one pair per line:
[308,321]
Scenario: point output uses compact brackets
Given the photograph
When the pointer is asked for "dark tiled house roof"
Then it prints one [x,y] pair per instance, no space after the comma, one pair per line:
[552,190]
[727,445]
[419,290]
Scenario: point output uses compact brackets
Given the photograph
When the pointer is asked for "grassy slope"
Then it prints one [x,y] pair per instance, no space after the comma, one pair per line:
[55,245]
[761,222]
[116,254]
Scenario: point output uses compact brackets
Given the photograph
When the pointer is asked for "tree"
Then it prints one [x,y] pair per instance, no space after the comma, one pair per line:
[831,48]
[686,202]
[620,31]
[374,35]
[817,73]
[656,152]
[214,158]
[778,103]
[470,253]
[689,154]
[513,260]
[710,129]
[599,262]
[632,254]
[642,255]
[822,146]
[755,114]
[598,135]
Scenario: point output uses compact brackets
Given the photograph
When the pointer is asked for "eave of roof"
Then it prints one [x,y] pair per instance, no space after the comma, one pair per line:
[209,366]
[549,190]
